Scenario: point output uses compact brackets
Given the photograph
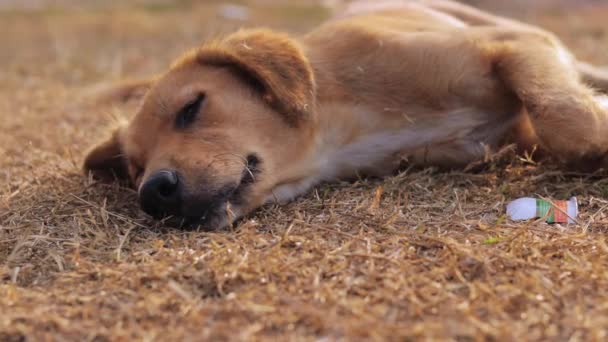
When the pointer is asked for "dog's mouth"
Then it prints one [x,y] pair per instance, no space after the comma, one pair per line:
[248,178]
[223,209]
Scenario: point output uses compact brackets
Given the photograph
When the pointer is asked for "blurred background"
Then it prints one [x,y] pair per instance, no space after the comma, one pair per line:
[111,38]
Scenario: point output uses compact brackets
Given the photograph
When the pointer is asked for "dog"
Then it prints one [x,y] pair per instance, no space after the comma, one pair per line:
[259,116]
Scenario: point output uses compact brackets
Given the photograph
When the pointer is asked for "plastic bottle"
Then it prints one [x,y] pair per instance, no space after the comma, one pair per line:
[554,212]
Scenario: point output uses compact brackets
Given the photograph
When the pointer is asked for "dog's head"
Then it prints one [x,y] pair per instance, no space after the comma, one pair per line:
[217,132]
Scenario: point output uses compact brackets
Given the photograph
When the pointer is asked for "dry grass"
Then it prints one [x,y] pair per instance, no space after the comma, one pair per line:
[420,255]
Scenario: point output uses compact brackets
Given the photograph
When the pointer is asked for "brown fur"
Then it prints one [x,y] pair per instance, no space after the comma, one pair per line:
[436,82]
[274,60]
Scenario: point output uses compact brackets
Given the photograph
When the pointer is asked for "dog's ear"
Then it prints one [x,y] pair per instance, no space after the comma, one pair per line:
[273,63]
[106,161]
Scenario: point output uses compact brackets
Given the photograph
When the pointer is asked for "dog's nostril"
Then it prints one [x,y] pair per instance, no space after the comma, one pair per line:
[167,189]
[165,183]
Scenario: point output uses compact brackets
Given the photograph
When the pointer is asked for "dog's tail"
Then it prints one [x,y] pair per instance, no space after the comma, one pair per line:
[596,77]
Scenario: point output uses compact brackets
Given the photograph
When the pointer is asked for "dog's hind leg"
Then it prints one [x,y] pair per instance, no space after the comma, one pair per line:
[596,77]
[568,117]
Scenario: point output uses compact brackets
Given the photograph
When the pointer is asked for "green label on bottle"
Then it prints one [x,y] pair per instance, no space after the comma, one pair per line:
[545,210]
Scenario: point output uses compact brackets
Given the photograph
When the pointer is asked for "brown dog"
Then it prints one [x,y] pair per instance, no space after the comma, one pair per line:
[261,117]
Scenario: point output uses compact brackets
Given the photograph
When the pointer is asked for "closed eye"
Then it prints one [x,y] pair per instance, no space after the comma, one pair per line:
[187,115]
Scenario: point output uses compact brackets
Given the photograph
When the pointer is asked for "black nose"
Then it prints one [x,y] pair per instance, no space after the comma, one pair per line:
[160,194]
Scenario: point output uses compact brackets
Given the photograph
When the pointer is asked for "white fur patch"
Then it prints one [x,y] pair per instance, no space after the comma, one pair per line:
[334,160]
[603,101]
[564,56]
[370,150]
[287,192]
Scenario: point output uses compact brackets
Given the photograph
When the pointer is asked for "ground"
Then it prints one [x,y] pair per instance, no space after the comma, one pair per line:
[421,255]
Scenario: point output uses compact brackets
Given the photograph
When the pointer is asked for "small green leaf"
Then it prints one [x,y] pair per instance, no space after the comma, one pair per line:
[492,240]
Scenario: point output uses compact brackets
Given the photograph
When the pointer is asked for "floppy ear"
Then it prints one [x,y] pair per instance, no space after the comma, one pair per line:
[106,161]
[274,63]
